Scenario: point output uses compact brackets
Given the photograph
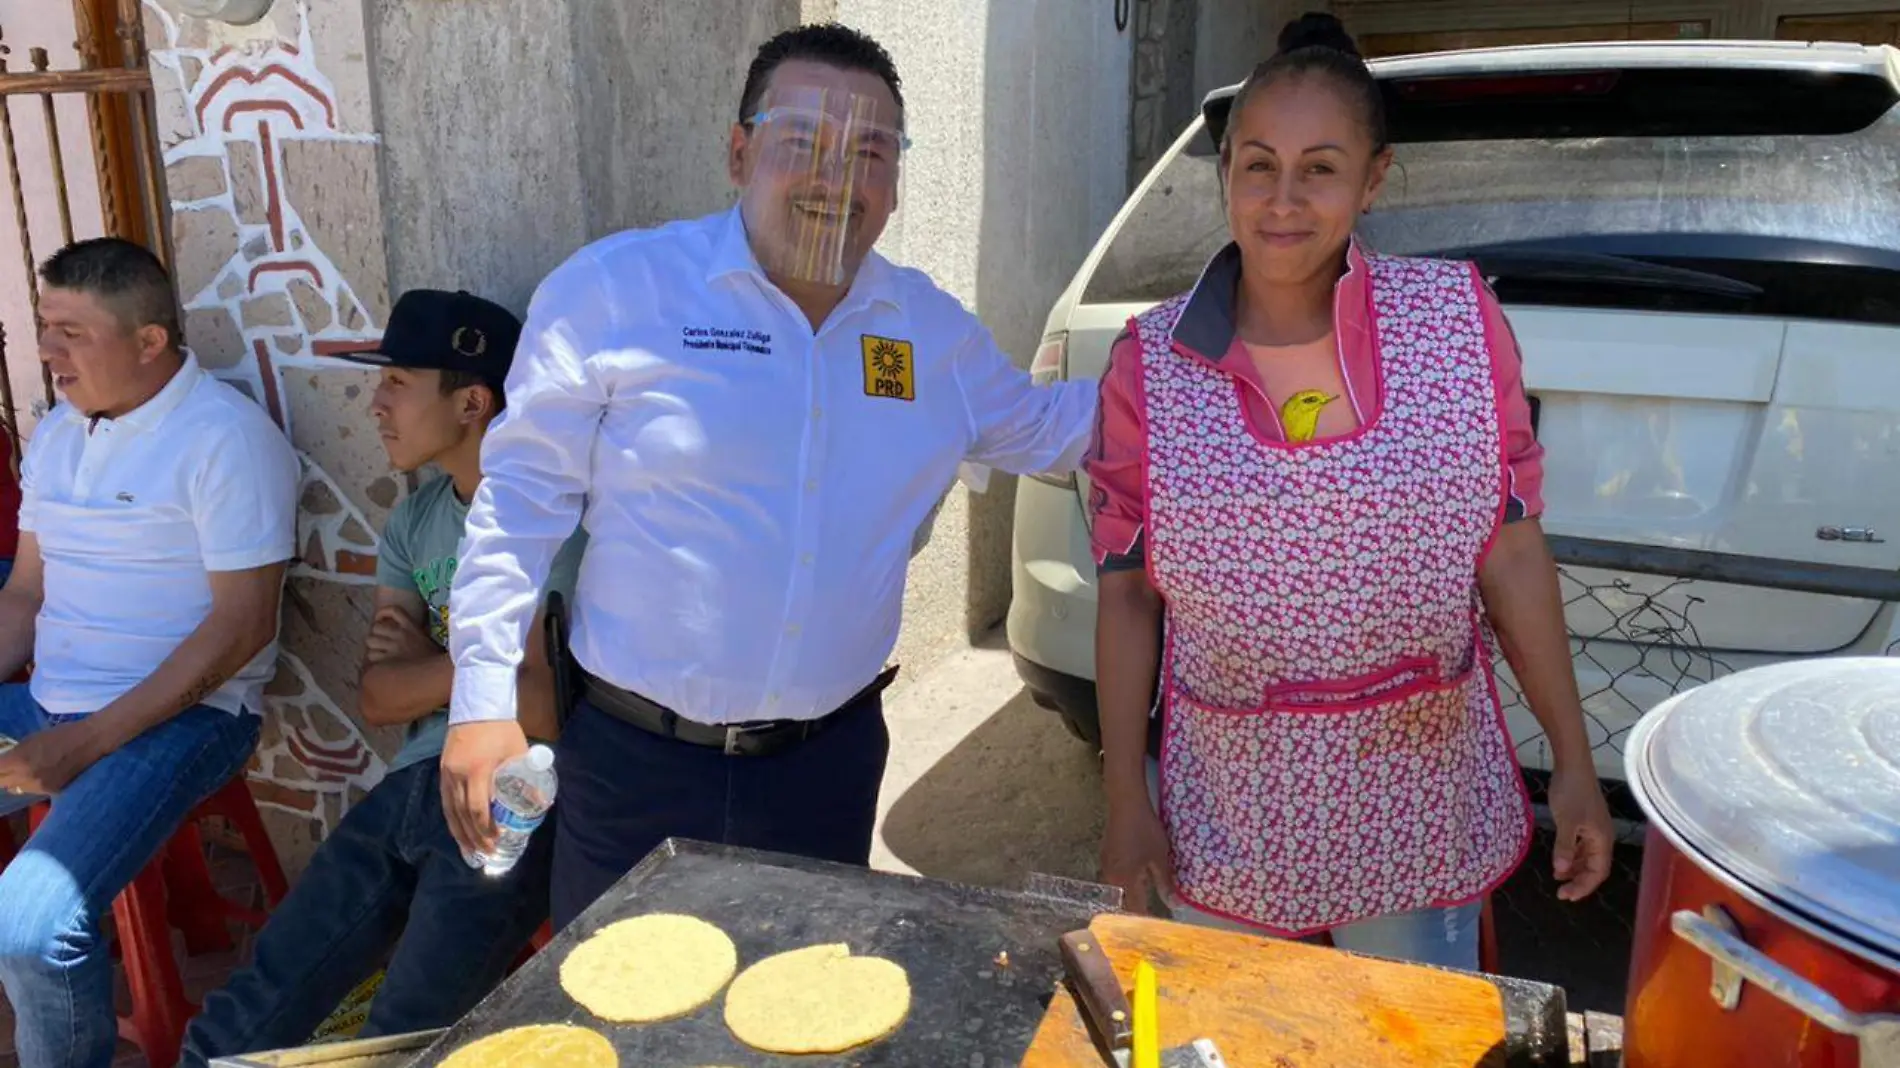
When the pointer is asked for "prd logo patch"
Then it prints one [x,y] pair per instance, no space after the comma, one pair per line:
[889,369]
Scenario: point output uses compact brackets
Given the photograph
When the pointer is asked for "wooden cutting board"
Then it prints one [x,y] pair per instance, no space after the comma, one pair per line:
[1274,1004]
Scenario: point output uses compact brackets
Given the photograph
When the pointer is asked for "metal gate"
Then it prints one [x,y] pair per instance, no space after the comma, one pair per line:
[116,84]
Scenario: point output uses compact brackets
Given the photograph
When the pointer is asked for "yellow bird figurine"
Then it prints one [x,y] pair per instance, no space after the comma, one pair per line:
[1300,414]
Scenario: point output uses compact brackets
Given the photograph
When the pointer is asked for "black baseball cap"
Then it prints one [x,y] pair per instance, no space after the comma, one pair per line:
[435,330]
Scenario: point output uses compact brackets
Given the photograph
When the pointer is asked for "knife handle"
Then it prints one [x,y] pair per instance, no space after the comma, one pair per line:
[1098,988]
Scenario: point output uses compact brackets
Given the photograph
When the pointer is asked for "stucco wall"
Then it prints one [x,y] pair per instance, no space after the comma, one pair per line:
[481,176]
[515,133]
[658,89]
[1018,114]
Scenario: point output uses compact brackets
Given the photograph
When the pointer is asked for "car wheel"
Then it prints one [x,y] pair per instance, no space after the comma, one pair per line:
[1078,731]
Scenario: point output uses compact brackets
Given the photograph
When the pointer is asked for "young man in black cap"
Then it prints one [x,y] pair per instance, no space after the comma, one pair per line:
[391,875]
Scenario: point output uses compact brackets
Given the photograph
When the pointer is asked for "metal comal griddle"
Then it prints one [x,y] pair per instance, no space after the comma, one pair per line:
[966,1007]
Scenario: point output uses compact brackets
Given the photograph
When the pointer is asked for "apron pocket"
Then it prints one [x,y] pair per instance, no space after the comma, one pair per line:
[1302,815]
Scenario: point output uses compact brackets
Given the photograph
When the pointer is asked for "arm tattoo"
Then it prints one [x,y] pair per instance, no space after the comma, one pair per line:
[201,689]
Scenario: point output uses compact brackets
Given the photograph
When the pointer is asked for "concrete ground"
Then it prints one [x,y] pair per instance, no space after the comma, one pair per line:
[985,787]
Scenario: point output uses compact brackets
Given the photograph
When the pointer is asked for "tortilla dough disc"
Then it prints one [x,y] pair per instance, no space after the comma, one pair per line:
[819,999]
[649,968]
[540,1046]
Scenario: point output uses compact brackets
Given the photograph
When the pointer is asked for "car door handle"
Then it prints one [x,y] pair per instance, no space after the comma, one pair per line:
[1861,535]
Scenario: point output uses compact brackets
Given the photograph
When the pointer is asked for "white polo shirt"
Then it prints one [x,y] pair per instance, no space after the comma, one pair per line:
[752,487]
[132,514]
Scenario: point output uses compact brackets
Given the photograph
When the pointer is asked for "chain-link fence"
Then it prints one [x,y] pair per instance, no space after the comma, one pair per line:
[1634,643]
[1642,622]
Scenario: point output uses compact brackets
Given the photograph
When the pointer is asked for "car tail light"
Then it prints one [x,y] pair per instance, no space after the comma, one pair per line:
[1052,365]
[1052,360]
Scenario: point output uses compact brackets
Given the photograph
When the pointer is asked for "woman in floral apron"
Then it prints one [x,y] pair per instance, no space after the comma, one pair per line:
[1320,463]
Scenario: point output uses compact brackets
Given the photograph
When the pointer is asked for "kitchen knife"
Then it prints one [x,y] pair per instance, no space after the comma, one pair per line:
[1099,994]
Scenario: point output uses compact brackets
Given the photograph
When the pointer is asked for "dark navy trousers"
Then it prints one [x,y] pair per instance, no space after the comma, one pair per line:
[624,790]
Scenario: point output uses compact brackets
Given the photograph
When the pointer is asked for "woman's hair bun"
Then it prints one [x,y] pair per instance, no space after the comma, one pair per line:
[1317,30]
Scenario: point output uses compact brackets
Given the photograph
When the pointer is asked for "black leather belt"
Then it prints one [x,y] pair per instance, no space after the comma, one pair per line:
[738,739]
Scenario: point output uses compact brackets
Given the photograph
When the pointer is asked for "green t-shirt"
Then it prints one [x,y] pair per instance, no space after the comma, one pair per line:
[418,552]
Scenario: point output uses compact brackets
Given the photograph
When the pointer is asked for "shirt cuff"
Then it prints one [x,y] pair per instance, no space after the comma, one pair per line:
[482,693]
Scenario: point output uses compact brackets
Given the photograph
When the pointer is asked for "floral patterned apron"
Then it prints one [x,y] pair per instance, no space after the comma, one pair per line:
[1333,744]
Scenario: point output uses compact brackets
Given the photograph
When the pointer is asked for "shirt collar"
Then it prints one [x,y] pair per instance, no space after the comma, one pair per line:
[1207,326]
[149,414]
[732,254]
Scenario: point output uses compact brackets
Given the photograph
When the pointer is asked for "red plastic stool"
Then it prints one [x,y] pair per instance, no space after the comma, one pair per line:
[176,889]
[1487,939]
[193,904]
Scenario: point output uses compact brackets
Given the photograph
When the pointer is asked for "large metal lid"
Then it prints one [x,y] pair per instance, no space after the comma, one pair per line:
[1786,780]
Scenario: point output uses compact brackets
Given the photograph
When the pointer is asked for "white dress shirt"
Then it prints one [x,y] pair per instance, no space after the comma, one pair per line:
[132,515]
[751,489]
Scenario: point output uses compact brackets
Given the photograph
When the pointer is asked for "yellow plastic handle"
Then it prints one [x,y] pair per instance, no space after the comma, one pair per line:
[1147,1039]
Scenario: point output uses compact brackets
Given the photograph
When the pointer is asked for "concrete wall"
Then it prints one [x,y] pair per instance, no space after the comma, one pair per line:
[658,90]
[572,119]
[481,176]
[1018,112]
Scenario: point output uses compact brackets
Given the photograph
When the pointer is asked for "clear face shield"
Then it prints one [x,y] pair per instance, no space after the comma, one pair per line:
[822,181]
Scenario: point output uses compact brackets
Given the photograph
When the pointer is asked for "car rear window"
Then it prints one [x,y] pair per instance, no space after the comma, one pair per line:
[1809,221]
[1689,101]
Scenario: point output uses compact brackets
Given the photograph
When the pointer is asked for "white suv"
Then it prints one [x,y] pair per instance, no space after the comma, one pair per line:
[1698,247]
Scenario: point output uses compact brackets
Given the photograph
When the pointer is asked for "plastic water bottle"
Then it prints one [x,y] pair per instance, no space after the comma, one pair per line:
[524,791]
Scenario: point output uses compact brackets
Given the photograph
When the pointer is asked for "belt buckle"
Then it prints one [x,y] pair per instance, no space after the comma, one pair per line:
[733,734]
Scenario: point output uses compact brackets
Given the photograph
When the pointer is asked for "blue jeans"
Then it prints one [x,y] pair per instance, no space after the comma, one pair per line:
[102,830]
[1446,938]
[389,875]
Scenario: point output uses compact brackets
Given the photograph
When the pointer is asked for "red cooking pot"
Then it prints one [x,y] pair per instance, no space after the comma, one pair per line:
[1768,932]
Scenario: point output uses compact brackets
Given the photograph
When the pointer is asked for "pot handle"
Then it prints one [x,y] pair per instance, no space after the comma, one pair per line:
[1734,961]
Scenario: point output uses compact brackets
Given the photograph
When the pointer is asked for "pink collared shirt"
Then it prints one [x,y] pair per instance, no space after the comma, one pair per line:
[1117,464]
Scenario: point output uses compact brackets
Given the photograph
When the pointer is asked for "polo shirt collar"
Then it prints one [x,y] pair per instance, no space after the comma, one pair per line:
[732,255]
[154,411]
[1208,328]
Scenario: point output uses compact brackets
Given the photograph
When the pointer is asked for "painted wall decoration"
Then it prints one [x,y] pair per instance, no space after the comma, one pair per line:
[279,262]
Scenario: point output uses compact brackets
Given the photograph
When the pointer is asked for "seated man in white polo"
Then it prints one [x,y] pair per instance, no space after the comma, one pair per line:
[159,508]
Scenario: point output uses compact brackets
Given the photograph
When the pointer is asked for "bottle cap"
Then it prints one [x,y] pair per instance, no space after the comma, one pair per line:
[540,757]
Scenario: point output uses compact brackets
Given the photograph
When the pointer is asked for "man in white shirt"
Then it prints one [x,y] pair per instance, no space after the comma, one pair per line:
[752,414]
[158,512]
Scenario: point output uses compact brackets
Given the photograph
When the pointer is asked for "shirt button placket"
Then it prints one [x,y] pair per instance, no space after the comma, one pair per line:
[805,539]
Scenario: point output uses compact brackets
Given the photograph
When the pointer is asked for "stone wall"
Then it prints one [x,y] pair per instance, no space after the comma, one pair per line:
[1186,49]
[1161,98]
[270,149]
